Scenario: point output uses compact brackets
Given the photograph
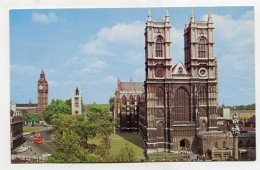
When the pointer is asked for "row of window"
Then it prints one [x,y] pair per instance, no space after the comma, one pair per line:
[202,47]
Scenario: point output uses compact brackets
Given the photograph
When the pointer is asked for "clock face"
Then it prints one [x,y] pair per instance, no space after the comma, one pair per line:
[40,87]
[202,72]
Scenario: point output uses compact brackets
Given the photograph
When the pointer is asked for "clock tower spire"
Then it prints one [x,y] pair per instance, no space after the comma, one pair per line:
[42,93]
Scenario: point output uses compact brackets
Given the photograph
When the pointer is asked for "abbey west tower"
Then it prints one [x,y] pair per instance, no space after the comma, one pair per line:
[181,100]
[42,93]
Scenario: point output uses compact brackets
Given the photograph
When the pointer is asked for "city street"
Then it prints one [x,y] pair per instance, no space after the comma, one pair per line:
[38,149]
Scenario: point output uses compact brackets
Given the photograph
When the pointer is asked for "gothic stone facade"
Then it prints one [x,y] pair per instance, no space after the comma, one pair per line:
[126,101]
[180,100]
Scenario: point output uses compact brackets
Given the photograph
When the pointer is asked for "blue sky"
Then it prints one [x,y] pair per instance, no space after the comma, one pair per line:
[90,48]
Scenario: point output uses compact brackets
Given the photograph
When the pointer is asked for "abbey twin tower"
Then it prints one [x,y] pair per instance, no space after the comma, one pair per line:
[176,106]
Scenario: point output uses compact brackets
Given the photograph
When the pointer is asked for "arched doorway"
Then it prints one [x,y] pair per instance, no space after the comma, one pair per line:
[184,144]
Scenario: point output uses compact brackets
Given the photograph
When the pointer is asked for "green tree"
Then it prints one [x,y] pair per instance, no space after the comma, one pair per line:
[111,104]
[101,122]
[69,140]
[55,107]
[126,154]
[30,117]
[72,132]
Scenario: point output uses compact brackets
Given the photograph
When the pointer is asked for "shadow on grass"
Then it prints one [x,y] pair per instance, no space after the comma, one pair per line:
[132,137]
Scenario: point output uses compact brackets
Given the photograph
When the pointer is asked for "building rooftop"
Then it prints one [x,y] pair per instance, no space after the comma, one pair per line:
[131,86]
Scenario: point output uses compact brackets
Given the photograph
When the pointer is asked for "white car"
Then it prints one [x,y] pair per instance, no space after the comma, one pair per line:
[45,155]
[22,149]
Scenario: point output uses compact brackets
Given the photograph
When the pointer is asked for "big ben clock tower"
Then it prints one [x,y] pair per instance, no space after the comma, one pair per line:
[42,93]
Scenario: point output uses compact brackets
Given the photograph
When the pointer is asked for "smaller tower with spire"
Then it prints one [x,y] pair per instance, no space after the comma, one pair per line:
[77,102]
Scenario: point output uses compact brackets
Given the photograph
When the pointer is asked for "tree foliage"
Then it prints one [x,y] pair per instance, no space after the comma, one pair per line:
[243,107]
[55,107]
[111,104]
[126,154]
[72,132]
[70,137]
[30,117]
[102,122]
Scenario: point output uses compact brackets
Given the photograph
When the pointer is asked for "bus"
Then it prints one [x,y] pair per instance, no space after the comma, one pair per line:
[37,139]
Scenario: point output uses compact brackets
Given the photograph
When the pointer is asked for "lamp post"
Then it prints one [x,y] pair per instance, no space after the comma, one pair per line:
[235,132]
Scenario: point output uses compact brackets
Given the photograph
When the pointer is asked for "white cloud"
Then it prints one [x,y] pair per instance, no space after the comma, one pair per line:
[127,33]
[45,18]
[108,41]
[95,47]
[111,79]
[94,65]
[237,36]
[53,83]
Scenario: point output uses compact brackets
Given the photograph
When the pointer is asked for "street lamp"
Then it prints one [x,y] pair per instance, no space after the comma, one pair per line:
[235,132]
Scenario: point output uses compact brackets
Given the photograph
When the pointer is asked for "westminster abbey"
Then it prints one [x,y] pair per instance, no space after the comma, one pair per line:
[175,108]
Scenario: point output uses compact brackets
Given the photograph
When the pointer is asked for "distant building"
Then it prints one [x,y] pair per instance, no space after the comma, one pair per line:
[27,108]
[77,102]
[126,104]
[243,115]
[16,126]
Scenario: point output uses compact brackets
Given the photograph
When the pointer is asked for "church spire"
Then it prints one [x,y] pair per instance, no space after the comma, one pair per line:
[131,79]
[149,17]
[209,17]
[192,18]
[167,17]
[42,75]
[187,23]
[118,82]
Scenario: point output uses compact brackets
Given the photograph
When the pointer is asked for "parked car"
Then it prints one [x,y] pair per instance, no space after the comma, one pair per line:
[24,148]
[45,155]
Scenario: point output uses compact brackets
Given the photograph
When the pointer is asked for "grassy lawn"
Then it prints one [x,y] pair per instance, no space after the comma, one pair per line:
[31,129]
[158,157]
[118,141]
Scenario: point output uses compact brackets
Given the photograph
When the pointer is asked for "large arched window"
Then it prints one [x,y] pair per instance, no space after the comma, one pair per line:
[181,106]
[202,48]
[138,99]
[159,47]
[131,100]
[124,101]
[159,96]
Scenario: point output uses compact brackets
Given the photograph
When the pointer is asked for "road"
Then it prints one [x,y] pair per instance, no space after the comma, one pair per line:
[38,149]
